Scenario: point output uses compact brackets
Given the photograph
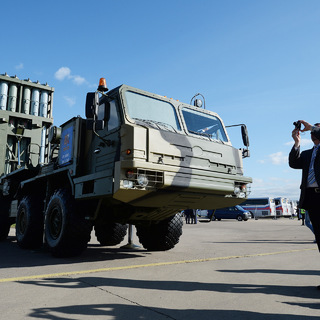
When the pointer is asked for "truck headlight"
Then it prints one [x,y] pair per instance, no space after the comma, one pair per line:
[240,190]
[142,180]
[237,190]
[127,184]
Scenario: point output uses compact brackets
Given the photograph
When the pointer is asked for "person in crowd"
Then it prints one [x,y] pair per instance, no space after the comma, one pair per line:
[187,215]
[194,218]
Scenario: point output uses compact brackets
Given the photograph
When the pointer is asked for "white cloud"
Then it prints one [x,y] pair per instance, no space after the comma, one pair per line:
[78,80]
[65,73]
[278,158]
[19,66]
[62,73]
[71,101]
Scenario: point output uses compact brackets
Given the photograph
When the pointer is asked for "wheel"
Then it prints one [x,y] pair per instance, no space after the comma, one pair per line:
[29,223]
[5,221]
[239,218]
[161,236]
[110,233]
[67,232]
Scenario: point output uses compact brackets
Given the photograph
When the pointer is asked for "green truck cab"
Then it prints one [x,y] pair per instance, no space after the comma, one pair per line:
[138,158]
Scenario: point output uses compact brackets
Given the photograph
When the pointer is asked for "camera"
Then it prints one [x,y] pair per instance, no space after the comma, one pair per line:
[297,124]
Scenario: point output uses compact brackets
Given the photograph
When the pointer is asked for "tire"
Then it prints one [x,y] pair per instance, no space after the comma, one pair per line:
[162,236]
[239,218]
[29,223]
[67,233]
[110,233]
[5,221]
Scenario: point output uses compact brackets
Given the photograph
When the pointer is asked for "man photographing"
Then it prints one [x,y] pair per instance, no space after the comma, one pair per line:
[309,162]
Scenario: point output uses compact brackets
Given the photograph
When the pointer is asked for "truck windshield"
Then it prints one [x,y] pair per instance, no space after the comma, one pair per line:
[204,125]
[152,112]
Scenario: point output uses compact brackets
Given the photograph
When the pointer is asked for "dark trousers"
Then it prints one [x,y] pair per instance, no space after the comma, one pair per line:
[312,204]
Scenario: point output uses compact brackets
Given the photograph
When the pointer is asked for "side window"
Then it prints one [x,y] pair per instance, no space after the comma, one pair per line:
[108,111]
[101,111]
[114,121]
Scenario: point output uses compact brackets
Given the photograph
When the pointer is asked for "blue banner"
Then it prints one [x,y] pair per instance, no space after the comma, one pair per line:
[66,146]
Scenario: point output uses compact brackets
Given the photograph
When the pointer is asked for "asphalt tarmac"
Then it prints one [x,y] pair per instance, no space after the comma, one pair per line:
[258,269]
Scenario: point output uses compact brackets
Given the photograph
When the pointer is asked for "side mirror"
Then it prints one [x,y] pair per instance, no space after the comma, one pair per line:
[245,135]
[92,103]
[92,112]
[245,139]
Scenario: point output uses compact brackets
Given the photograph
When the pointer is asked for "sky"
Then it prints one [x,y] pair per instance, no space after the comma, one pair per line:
[255,62]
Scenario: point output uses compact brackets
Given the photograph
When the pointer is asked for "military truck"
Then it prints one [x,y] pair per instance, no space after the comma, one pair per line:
[137,158]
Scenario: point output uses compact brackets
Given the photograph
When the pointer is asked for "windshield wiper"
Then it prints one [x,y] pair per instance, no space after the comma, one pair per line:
[165,125]
[158,124]
[208,135]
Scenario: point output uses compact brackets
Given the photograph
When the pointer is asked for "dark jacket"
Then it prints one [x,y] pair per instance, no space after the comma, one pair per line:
[302,160]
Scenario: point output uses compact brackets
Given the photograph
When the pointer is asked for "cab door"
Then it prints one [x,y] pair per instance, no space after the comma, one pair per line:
[107,144]
[102,151]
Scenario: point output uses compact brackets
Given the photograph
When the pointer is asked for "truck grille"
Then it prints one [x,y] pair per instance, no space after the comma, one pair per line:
[155,178]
